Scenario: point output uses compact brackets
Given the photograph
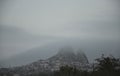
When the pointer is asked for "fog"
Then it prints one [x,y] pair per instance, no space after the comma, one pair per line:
[37,29]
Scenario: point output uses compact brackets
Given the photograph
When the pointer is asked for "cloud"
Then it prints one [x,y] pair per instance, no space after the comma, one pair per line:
[49,17]
[55,20]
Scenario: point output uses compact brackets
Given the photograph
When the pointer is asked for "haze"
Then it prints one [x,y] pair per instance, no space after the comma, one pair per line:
[91,25]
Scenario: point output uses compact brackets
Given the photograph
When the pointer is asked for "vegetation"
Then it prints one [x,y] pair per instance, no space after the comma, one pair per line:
[107,66]
[104,66]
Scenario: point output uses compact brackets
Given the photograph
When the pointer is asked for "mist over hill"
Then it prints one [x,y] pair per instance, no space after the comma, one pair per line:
[59,37]
[19,47]
[65,57]
[91,49]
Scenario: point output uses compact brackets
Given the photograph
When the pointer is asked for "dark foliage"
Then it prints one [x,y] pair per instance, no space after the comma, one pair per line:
[67,71]
[105,66]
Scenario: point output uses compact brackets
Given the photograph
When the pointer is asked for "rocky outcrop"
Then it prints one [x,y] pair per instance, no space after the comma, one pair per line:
[66,56]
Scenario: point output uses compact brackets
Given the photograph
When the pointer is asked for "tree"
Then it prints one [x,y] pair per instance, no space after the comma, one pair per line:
[108,66]
[67,71]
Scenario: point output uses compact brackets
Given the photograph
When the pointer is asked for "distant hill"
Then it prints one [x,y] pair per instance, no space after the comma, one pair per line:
[92,49]
[65,56]
[22,48]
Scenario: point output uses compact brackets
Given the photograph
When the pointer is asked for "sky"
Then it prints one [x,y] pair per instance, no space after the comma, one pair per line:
[58,18]
[40,22]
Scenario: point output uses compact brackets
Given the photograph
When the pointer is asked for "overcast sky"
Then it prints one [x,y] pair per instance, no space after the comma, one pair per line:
[86,19]
[62,17]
